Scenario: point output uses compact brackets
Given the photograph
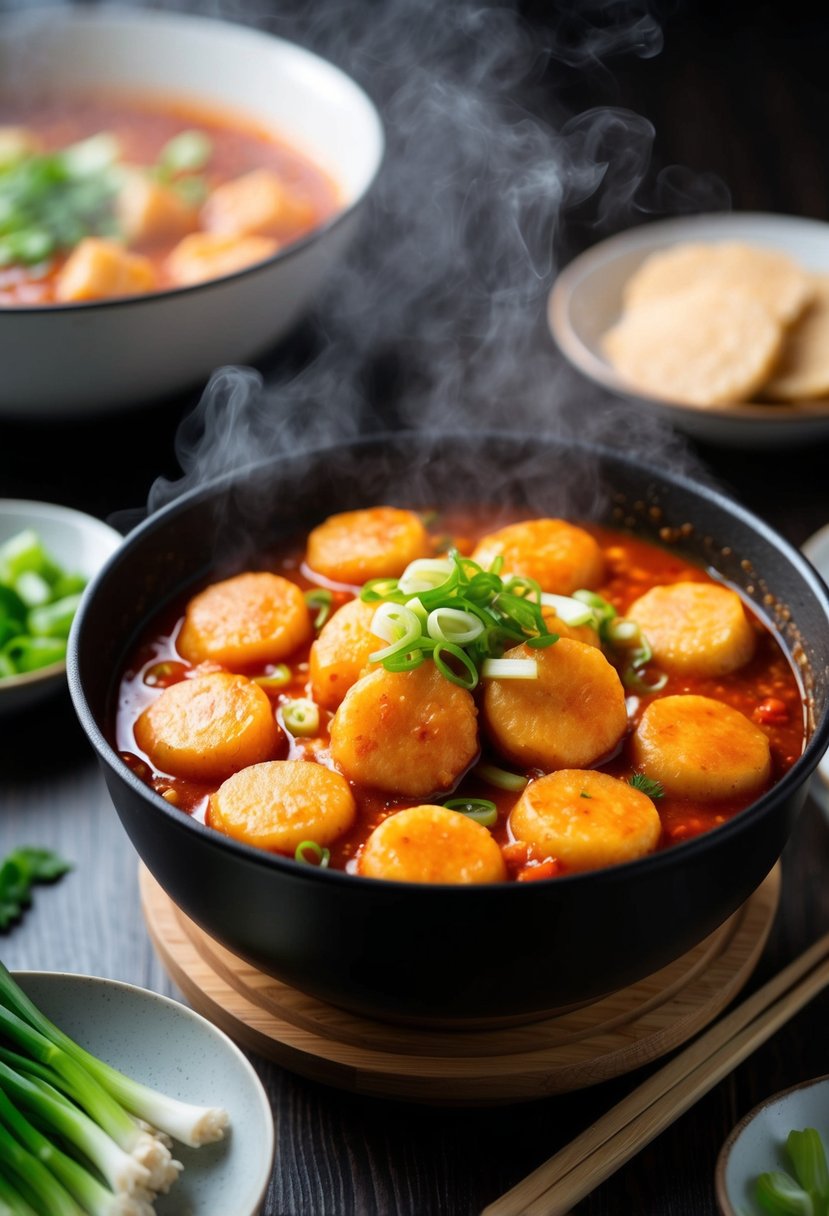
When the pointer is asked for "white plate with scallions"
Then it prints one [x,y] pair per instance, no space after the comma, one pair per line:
[183,1076]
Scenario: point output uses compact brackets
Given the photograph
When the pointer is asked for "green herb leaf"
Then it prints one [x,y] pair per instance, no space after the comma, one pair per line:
[19,871]
[647,785]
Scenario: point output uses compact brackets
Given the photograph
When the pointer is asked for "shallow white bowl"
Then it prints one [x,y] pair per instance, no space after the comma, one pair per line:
[162,1043]
[83,359]
[586,299]
[81,544]
[757,1143]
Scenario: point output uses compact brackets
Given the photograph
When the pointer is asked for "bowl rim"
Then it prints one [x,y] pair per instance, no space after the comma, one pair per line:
[796,776]
[84,522]
[119,14]
[646,236]
[723,1198]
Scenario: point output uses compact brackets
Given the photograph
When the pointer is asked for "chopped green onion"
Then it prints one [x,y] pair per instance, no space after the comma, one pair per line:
[187,152]
[453,625]
[457,613]
[569,609]
[397,625]
[779,1195]
[319,601]
[467,677]
[38,602]
[509,669]
[277,677]
[312,854]
[481,810]
[636,682]
[425,574]
[808,1156]
[301,717]
[500,777]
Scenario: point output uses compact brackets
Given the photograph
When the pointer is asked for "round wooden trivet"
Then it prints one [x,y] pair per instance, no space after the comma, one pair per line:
[571,1051]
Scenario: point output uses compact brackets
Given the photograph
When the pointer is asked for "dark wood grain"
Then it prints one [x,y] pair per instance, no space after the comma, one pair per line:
[739,101]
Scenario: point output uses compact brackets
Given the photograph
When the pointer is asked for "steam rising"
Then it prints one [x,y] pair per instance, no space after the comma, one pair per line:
[436,318]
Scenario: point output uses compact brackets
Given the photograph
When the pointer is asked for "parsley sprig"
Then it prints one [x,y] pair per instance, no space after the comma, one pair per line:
[19,872]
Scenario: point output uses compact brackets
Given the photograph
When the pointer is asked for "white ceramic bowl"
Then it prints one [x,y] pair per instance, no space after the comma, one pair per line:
[81,544]
[162,1043]
[586,299]
[757,1143]
[82,359]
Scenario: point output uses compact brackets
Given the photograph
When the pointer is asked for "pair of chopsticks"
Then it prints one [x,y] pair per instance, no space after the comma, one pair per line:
[566,1178]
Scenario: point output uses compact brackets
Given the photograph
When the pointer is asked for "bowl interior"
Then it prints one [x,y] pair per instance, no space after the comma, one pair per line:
[758,1142]
[303,98]
[217,529]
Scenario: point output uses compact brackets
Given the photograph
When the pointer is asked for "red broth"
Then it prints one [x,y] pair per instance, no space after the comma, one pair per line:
[766,690]
[143,125]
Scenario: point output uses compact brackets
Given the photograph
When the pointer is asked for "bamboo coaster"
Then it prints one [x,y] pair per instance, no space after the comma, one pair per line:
[573,1050]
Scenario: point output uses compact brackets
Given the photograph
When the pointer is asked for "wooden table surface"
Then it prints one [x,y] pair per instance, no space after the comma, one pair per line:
[515,139]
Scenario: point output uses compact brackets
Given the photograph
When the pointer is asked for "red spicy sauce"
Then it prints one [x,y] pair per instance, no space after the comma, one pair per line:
[766,690]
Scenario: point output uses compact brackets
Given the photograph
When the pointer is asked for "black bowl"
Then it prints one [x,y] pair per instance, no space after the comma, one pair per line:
[448,954]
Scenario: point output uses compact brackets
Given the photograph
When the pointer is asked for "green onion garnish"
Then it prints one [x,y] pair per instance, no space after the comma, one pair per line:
[187,152]
[50,201]
[805,1194]
[319,602]
[312,854]
[500,777]
[480,809]
[453,611]
[276,677]
[301,717]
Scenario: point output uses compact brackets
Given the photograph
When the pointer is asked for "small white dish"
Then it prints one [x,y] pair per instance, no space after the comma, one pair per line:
[757,1143]
[586,300]
[81,544]
[163,1043]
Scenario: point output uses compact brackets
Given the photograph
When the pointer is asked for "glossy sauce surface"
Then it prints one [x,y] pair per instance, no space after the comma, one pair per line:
[766,690]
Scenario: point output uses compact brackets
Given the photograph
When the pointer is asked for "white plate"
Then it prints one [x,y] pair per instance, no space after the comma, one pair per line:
[162,1043]
[757,1143]
[81,544]
[586,300]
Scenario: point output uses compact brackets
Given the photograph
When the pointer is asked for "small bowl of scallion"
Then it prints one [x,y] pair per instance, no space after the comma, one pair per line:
[774,1163]
[48,555]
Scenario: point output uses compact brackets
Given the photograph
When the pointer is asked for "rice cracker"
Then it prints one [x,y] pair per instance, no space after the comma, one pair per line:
[768,276]
[705,346]
[802,373]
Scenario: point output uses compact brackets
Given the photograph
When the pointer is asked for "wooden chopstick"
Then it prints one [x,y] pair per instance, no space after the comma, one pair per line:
[564,1179]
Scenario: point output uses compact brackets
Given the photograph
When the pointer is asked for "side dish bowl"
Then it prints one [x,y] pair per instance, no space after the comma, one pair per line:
[586,300]
[109,354]
[449,954]
[757,1144]
[161,1043]
[80,544]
